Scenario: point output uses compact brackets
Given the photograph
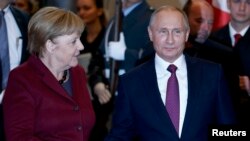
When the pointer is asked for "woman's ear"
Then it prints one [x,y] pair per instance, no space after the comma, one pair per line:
[50,46]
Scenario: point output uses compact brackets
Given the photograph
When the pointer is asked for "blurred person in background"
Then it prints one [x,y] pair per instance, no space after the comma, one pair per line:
[236,34]
[201,17]
[13,29]
[133,40]
[65,4]
[46,97]
[29,6]
[24,5]
[93,15]
[133,36]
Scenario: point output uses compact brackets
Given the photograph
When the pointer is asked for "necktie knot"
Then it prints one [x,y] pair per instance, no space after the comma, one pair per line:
[237,37]
[172,68]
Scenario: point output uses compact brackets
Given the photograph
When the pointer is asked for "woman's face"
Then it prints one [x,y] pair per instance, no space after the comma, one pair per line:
[65,50]
[88,11]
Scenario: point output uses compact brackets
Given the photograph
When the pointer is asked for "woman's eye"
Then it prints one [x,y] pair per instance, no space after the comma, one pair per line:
[74,42]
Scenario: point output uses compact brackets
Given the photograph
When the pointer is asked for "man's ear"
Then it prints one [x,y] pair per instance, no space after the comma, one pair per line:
[187,35]
[50,46]
[150,33]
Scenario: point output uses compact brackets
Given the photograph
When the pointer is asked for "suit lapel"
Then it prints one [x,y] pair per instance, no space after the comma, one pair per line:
[154,97]
[194,75]
[227,35]
[54,85]
[245,39]
[22,23]
[47,77]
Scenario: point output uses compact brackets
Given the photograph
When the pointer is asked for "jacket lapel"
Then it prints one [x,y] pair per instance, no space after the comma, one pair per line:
[47,77]
[194,75]
[22,23]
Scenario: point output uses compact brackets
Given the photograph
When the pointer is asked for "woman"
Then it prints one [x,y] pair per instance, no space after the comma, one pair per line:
[46,98]
[92,14]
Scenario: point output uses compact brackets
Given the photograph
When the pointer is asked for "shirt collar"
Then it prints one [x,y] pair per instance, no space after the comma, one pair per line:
[129,9]
[233,31]
[6,9]
[162,65]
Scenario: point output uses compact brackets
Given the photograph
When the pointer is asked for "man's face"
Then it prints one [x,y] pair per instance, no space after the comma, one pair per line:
[168,34]
[201,20]
[240,11]
[128,3]
[4,3]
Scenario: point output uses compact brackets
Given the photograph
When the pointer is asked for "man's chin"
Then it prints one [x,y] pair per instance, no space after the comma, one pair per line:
[199,40]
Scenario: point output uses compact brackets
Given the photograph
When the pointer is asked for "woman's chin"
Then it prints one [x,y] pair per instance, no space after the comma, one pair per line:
[74,63]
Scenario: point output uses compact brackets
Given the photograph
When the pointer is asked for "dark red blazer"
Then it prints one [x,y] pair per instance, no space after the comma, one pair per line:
[37,108]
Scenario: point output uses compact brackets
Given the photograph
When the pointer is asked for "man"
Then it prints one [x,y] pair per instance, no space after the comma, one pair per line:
[201,17]
[140,105]
[66,4]
[16,37]
[133,36]
[239,24]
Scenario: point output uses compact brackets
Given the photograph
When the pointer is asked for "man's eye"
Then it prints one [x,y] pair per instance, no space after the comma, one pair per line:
[177,31]
[199,20]
[163,31]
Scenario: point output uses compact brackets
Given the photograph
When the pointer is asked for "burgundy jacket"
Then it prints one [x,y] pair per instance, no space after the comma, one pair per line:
[37,108]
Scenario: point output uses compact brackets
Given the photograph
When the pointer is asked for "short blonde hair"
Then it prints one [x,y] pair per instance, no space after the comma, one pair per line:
[49,23]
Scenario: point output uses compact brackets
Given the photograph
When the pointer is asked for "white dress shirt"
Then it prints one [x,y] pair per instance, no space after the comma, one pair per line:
[162,78]
[232,32]
[14,41]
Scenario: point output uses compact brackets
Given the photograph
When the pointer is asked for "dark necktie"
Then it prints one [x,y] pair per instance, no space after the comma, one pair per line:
[172,97]
[5,61]
[237,38]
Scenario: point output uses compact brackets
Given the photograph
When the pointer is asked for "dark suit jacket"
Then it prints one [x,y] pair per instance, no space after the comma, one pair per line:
[139,109]
[134,27]
[241,52]
[22,20]
[241,49]
[37,107]
[219,53]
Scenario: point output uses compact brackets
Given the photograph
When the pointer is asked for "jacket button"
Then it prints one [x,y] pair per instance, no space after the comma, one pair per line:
[79,128]
[76,108]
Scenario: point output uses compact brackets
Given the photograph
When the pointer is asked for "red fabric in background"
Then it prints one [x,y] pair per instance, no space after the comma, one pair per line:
[221,17]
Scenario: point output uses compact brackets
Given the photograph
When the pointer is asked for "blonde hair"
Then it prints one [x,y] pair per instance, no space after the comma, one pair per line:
[49,23]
